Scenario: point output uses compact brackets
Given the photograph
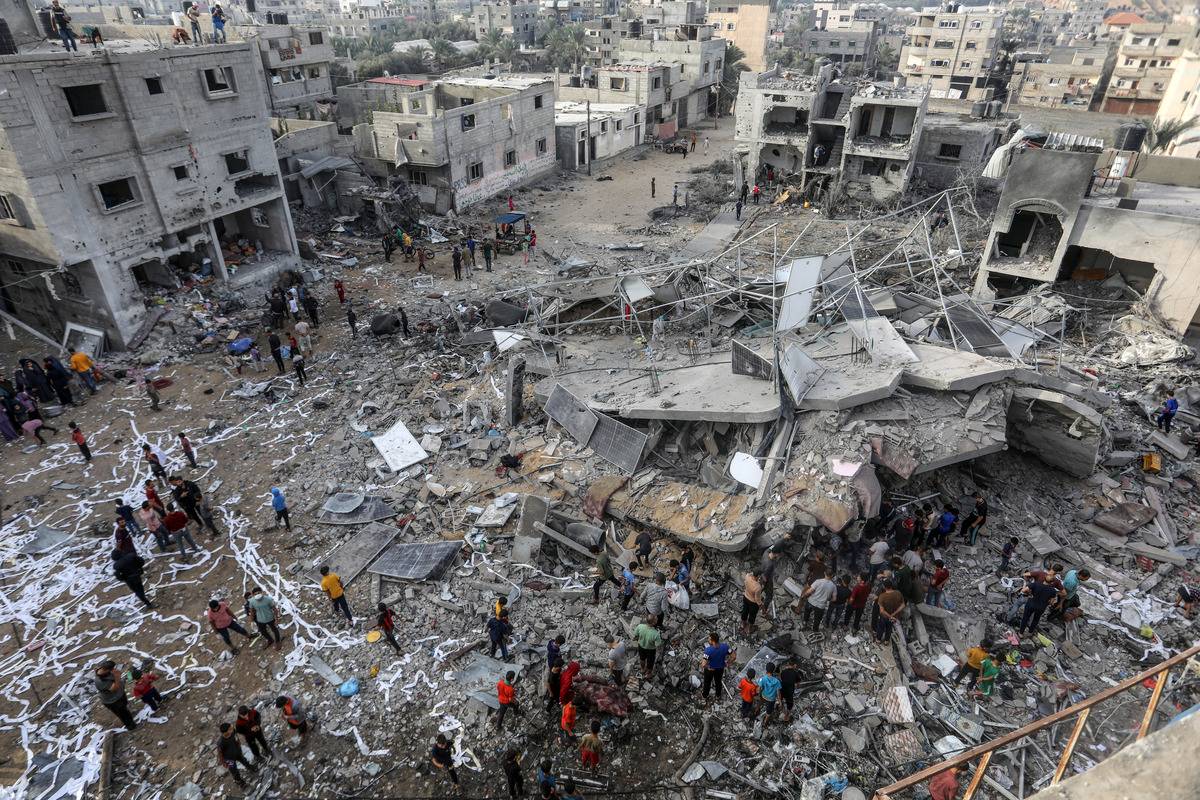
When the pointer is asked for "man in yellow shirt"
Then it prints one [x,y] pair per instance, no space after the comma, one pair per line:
[331,584]
[82,364]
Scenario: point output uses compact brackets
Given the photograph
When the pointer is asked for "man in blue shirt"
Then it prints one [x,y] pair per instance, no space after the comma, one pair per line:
[945,525]
[1071,582]
[716,656]
[628,580]
[218,23]
[1167,413]
[682,573]
[768,686]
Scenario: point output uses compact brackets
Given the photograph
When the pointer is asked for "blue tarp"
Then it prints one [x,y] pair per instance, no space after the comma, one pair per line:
[511,218]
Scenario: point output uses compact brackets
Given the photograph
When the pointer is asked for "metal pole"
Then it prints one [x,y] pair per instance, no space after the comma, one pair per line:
[587,145]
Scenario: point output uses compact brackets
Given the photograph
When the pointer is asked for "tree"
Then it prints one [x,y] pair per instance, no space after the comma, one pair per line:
[444,55]
[731,73]
[566,46]
[886,58]
[1160,135]
[490,45]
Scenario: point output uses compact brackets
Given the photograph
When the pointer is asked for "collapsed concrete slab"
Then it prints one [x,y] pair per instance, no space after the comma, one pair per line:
[1058,429]
[948,370]
[690,513]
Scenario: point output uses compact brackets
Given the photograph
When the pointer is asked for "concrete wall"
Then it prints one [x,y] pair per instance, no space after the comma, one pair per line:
[52,162]
[1181,100]
[937,167]
[746,25]
[610,141]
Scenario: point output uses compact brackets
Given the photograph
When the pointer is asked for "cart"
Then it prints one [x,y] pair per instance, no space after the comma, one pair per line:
[510,232]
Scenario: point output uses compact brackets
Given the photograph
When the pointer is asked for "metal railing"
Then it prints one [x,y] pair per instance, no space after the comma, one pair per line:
[1080,711]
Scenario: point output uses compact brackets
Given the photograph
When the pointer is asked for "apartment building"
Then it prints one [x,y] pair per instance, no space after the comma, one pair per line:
[462,140]
[817,132]
[1181,100]
[650,86]
[517,20]
[586,134]
[701,60]
[1070,77]
[356,101]
[296,63]
[126,169]
[1145,61]
[744,24]
[1086,18]
[952,51]
[845,45]
[604,35]
[573,11]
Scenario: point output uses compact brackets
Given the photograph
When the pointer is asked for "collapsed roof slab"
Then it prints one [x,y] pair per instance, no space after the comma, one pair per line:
[614,377]
[1058,429]
[690,513]
[949,370]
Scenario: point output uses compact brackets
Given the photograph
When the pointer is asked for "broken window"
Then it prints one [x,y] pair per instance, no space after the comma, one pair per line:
[115,194]
[943,44]
[468,122]
[510,158]
[618,84]
[657,83]
[85,101]
[537,100]
[418,176]
[604,126]
[181,172]
[619,125]
[314,72]
[475,171]
[154,85]
[218,82]
[541,147]
[6,209]
[871,168]
[238,162]
[315,38]
[1172,42]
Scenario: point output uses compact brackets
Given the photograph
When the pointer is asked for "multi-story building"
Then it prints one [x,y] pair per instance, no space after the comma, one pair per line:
[1143,68]
[123,169]
[646,85]
[816,132]
[844,45]
[296,64]
[517,20]
[356,101]
[1069,77]
[1086,18]
[701,60]
[604,34]
[744,24]
[590,133]
[952,51]
[462,140]
[1181,101]
[567,11]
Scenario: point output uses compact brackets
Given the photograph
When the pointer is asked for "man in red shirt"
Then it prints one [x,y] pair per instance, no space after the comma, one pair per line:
[937,583]
[859,594]
[944,785]
[78,438]
[249,725]
[176,523]
[507,695]
[222,621]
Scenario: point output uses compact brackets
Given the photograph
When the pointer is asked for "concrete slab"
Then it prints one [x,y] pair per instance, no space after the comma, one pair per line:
[1058,429]
[949,370]
[1125,518]
[1171,444]
[691,513]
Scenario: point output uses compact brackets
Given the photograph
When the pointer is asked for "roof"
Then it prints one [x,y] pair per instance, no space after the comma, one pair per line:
[1124,18]
[328,164]
[414,82]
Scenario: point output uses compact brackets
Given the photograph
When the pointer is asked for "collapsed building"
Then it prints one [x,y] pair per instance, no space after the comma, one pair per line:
[138,168]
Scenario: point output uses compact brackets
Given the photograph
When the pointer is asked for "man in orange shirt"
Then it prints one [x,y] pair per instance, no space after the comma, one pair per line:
[749,690]
[506,693]
[82,365]
[944,785]
[567,723]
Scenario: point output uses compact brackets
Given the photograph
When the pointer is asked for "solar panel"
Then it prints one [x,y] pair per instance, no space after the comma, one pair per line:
[416,562]
[569,411]
[973,326]
[748,362]
[617,442]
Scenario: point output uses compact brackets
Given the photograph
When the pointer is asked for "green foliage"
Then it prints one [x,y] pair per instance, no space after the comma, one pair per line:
[566,46]
[1161,135]
[381,44]
[731,72]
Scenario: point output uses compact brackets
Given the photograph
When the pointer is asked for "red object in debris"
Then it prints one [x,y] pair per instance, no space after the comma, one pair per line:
[1146,564]
[601,694]
[1150,683]
[161,383]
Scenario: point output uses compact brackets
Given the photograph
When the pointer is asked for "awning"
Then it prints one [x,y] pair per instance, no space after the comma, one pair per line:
[327,164]
[511,218]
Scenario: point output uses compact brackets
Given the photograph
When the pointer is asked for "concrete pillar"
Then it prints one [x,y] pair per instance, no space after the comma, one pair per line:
[215,246]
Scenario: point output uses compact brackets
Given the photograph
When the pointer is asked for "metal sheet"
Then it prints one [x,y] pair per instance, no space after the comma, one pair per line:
[798,294]
[748,362]
[371,509]
[399,448]
[352,557]
[572,413]
[495,517]
[635,289]
[800,372]
[416,562]
[617,442]
[44,540]
[971,324]
[759,662]
[344,502]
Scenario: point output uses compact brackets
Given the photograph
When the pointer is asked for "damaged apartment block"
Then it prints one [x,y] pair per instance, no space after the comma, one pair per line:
[821,132]
[462,140]
[132,171]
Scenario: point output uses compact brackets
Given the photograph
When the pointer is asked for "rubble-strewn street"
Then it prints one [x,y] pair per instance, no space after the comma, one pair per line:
[781,392]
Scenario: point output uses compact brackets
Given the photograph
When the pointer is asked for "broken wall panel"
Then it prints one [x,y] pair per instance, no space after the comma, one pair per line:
[398,447]
[416,562]
[1059,430]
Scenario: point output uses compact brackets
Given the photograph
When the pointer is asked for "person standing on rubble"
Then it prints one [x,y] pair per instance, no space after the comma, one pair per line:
[567,721]
[975,520]
[293,306]
[153,524]
[1006,554]
[471,244]
[442,758]
[126,512]
[420,259]
[189,497]
[767,566]
[890,603]
[737,211]
[604,572]
[877,557]
[553,683]
[1071,580]
[81,442]
[789,676]
[590,747]
[266,618]
[298,366]
[276,345]
[748,690]
[616,659]
[716,656]
[768,688]
[389,244]
[1167,412]
[751,600]
[188,453]
[498,629]
[249,725]
[386,623]
[279,506]
[972,665]
[456,262]
[506,694]
[294,715]
[127,568]
[859,594]
[819,594]
[756,193]
[628,581]
[488,250]
[111,688]
[644,544]
[331,584]
[340,288]
[656,600]
[512,774]
[229,754]
[352,319]
[1041,595]
[312,308]
[937,584]
[303,336]
[648,639]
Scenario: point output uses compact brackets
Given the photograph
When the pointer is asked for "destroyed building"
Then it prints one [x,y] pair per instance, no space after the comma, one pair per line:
[462,140]
[648,84]
[819,131]
[132,170]
[957,146]
[296,62]
[356,101]
[1058,221]
[701,59]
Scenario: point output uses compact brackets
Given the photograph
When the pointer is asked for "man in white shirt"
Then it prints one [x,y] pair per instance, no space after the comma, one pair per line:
[878,553]
[912,558]
[819,594]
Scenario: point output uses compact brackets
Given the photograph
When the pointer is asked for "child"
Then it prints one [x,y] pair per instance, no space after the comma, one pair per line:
[989,669]
[749,690]
[937,584]
[590,747]
[768,687]
[143,687]
[973,665]
[256,358]
[188,453]
[1010,548]
[567,722]
[78,438]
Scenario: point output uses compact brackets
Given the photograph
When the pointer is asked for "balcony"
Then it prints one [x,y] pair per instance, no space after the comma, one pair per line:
[880,146]
[785,133]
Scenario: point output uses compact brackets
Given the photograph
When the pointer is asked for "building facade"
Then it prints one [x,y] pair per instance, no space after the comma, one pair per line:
[590,134]
[123,171]
[463,140]
[1145,61]
[1070,77]
[745,25]
[701,60]
[844,45]
[952,51]
[1181,101]
[296,62]
[516,20]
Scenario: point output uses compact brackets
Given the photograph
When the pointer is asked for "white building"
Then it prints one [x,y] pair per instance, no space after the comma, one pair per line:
[952,50]
[587,135]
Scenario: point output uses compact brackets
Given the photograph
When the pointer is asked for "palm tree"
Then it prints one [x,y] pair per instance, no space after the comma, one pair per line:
[566,46]
[1160,135]
[491,44]
[885,57]
[731,72]
[444,54]
[509,52]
